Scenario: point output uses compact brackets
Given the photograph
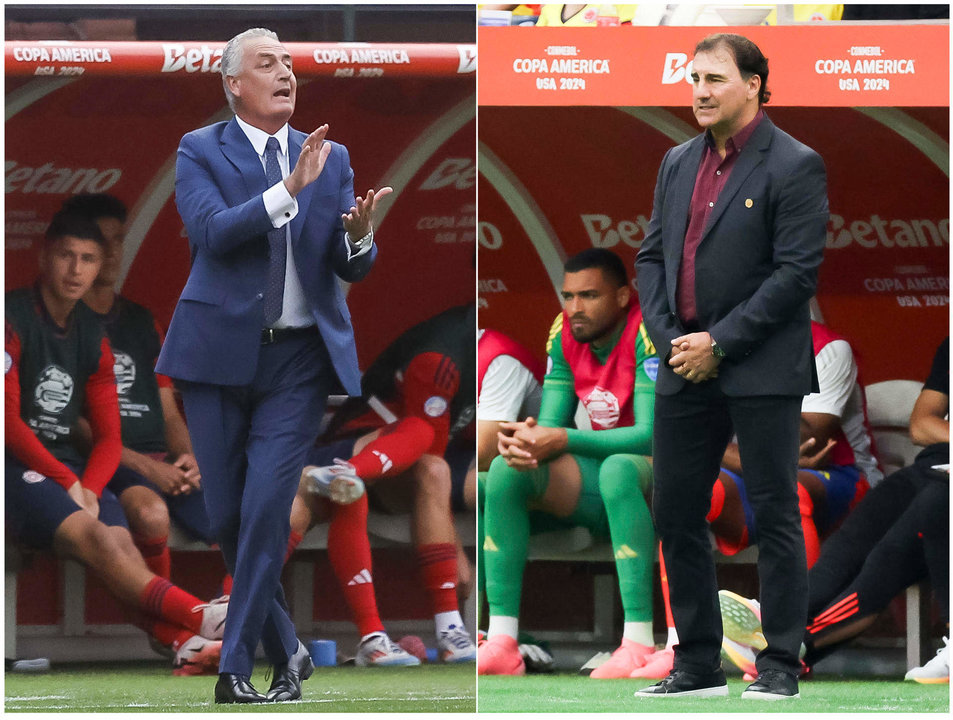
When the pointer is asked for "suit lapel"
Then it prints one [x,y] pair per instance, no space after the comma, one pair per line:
[752,155]
[295,140]
[239,151]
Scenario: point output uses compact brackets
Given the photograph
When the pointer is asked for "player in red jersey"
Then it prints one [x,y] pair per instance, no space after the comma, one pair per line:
[58,366]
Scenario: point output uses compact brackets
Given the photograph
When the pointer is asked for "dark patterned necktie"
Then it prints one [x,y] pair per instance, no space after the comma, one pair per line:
[278,249]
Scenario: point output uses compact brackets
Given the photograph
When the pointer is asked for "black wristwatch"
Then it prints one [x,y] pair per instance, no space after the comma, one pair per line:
[716,349]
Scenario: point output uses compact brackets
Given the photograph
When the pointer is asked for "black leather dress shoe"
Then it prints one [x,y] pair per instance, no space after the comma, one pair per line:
[680,683]
[232,688]
[286,685]
[772,685]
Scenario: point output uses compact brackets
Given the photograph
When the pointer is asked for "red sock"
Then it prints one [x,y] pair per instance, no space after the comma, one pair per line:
[350,553]
[293,541]
[164,600]
[663,579]
[438,566]
[164,633]
[812,543]
[227,584]
[717,503]
[399,446]
[155,551]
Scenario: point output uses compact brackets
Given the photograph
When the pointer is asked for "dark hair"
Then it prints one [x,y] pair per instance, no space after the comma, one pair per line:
[96,205]
[606,260]
[748,57]
[68,223]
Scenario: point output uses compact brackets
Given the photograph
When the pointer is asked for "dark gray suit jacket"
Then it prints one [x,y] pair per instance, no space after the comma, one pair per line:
[755,268]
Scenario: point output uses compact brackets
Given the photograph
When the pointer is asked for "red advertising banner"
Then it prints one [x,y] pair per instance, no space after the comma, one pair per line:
[817,66]
[119,135]
[556,180]
[348,60]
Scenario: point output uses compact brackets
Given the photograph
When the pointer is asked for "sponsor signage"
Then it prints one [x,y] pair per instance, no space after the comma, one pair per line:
[818,66]
[347,60]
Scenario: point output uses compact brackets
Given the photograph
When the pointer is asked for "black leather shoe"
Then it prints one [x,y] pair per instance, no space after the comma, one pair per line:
[232,688]
[772,685]
[680,683]
[286,685]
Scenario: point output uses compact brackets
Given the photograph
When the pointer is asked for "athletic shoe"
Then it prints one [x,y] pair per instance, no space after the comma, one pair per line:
[197,656]
[936,671]
[741,620]
[379,650]
[500,655]
[213,617]
[657,665]
[455,646]
[741,656]
[627,657]
[680,683]
[772,685]
[337,482]
[536,655]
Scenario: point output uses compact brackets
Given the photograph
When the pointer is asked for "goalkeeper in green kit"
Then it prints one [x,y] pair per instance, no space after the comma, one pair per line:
[600,355]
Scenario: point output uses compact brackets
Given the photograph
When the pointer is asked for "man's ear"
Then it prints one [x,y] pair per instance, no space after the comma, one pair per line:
[234,84]
[623,295]
[754,86]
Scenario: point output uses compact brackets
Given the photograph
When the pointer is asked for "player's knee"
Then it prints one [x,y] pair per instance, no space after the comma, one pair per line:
[617,479]
[433,477]
[503,483]
[149,518]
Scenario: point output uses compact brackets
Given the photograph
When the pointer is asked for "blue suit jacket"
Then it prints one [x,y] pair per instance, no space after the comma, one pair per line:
[755,268]
[215,332]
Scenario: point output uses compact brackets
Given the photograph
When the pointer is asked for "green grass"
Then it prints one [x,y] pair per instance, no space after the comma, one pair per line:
[150,687]
[573,693]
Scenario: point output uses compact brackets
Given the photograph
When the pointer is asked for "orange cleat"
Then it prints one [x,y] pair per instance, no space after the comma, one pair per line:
[627,657]
[657,666]
[500,655]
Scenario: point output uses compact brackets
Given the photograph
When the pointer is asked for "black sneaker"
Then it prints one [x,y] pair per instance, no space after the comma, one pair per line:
[680,683]
[772,685]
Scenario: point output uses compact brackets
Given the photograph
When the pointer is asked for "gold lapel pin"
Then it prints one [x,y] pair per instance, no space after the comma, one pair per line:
[749,202]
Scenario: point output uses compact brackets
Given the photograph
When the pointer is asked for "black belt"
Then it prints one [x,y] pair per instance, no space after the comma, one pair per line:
[270,336]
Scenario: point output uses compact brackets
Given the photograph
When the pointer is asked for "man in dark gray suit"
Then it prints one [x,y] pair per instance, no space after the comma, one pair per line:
[725,275]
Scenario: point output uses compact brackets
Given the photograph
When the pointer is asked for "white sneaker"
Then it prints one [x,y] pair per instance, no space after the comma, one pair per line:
[213,617]
[197,656]
[380,651]
[455,646]
[936,671]
[337,482]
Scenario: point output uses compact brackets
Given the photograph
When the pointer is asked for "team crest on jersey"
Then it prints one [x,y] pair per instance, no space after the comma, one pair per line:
[32,476]
[7,363]
[651,368]
[124,368]
[435,406]
[54,389]
[602,407]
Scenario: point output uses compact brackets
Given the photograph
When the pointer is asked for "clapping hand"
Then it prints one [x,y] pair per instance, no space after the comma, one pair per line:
[360,220]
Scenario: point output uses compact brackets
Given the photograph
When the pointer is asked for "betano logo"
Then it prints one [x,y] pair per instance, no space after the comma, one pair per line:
[51,180]
[870,232]
[676,68]
[202,59]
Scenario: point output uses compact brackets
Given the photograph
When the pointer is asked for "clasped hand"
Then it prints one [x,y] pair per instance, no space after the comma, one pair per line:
[692,357]
[523,445]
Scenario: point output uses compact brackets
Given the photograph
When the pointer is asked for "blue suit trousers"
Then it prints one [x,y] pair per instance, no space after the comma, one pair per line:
[251,443]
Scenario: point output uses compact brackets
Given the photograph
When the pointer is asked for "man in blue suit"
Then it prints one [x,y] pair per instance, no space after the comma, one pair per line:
[261,334]
[726,272]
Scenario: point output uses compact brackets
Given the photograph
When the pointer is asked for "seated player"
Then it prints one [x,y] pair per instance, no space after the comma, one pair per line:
[583,15]
[509,388]
[59,365]
[896,536]
[836,469]
[157,472]
[418,397]
[600,355]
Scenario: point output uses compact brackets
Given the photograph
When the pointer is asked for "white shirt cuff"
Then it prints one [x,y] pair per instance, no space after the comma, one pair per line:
[356,249]
[279,204]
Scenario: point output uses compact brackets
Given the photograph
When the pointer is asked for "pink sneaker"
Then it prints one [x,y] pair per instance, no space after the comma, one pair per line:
[500,655]
[629,656]
[658,665]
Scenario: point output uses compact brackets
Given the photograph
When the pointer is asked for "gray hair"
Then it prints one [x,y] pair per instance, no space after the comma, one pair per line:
[232,57]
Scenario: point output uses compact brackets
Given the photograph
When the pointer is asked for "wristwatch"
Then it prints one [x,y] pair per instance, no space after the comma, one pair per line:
[716,349]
